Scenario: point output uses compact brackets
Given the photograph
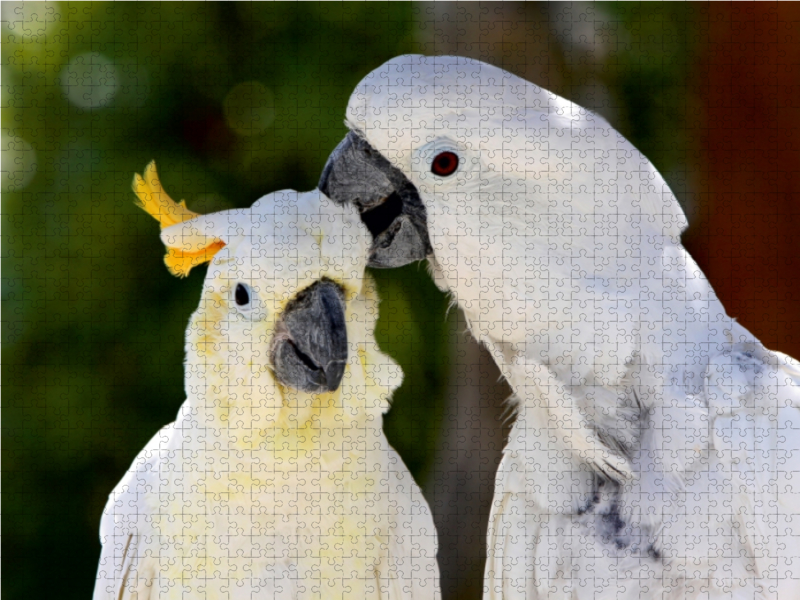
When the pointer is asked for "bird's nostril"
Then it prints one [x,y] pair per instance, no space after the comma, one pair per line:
[304,358]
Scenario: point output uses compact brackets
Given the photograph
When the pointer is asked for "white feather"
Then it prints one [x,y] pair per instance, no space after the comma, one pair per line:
[652,456]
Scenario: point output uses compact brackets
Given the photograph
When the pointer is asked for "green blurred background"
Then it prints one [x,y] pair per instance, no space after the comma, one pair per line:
[235,100]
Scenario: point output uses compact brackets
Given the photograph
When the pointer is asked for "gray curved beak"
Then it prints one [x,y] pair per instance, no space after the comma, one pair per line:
[309,347]
[390,206]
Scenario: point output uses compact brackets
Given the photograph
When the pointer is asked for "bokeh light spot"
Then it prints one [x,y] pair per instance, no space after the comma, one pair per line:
[19,162]
[249,108]
[30,18]
[90,80]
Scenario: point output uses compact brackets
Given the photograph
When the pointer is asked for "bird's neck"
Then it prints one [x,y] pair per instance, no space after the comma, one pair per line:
[232,411]
[577,311]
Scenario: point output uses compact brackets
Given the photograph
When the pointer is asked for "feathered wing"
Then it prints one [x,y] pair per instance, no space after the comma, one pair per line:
[726,512]
[127,581]
[539,544]
[507,573]
[754,407]
[410,569]
[121,574]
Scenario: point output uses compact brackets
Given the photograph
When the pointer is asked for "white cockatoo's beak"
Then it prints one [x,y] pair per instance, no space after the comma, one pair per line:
[389,203]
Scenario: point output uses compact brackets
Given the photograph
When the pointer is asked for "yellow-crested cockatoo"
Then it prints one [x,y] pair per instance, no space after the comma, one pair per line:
[276,480]
[656,447]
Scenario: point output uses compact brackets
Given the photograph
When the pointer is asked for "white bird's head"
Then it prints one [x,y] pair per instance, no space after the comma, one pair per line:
[274,300]
[445,148]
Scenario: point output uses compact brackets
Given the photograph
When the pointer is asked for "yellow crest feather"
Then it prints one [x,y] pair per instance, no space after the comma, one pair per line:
[152,198]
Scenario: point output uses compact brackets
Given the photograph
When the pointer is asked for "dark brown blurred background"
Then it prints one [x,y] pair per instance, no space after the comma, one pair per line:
[237,100]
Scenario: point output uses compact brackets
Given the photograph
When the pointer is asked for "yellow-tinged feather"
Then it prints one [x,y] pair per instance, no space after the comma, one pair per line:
[180,263]
[155,201]
[152,198]
[320,463]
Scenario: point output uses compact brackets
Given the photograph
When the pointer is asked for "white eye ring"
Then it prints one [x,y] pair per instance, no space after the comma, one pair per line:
[246,302]
[441,161]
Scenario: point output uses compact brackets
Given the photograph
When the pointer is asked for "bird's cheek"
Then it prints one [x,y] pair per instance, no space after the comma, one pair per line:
[441,220]
[259,359]
[203,338]
[244,344]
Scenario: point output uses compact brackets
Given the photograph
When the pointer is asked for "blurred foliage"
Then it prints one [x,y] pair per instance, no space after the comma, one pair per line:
[650,67]
[633,63]
[233,101]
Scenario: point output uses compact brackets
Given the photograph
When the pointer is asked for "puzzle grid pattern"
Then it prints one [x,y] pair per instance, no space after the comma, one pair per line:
[95,325]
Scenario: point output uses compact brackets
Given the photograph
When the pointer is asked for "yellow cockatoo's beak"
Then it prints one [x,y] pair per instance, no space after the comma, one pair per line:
[154,200]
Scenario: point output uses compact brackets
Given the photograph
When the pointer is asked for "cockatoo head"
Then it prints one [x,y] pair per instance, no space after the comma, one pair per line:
[273,305]
[443,148]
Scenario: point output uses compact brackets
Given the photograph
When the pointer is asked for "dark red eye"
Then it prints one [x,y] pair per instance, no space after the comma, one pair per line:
[444,164]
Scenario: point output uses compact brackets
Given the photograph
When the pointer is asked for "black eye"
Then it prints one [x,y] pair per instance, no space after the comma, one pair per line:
[445,164]
[242,295]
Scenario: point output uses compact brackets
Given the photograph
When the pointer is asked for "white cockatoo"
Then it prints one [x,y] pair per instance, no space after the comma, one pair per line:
[656,447]
[259,490]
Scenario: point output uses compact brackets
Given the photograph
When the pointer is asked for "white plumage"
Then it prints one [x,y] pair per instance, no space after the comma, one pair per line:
[256,490]
[656,449]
